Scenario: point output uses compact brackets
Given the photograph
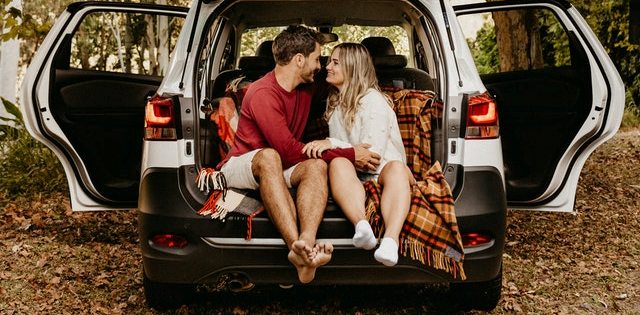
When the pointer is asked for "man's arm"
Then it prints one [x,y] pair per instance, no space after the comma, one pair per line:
[273,124]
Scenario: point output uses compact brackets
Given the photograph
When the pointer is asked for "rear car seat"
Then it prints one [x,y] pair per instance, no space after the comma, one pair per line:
[391,68]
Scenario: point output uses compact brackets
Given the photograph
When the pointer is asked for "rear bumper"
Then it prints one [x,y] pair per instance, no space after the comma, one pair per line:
[218,248]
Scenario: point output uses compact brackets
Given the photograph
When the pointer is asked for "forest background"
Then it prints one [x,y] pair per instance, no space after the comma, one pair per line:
[32,175]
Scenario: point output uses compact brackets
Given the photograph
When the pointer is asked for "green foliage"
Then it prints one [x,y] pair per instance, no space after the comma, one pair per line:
[9,21]
[26,165]
[484,49]
[631,116]
[609,20]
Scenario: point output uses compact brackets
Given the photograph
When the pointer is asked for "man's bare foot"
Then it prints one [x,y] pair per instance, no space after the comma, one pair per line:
[306,252]
[306,272]
[323,256]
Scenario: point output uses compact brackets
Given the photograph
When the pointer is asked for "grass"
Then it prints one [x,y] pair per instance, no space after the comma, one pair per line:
[26,165]
[631,117]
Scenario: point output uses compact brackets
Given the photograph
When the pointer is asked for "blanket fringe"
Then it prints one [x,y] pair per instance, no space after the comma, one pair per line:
[433,258]
[250,223]
[210,208]
[209,179]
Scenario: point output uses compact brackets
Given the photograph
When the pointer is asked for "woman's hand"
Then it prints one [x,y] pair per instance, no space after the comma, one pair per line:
[315,148]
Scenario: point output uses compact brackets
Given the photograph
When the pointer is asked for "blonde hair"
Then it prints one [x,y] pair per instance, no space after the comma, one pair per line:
[359,76]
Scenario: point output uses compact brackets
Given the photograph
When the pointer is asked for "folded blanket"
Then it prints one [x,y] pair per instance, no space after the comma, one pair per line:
[430,233]
[222,200]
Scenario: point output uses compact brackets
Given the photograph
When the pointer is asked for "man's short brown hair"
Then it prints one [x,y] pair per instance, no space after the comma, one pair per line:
[296,39]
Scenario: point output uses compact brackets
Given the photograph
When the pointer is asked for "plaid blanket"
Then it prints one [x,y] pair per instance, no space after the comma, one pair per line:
[430,232]
[414,111]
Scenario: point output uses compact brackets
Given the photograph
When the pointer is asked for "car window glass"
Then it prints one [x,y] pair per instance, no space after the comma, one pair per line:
[512,40]
[252,38]
[125,42]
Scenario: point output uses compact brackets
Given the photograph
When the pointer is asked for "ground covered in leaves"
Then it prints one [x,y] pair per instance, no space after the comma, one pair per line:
[54,261]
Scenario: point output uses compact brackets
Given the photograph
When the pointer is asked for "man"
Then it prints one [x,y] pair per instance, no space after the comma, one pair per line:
[267,152]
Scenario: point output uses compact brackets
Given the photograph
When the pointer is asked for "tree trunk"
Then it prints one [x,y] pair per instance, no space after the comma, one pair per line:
[151,45]
[518,37]
[163,44]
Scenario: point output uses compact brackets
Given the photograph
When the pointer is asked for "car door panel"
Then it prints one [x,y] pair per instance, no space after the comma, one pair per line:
[89,104]
[553,116]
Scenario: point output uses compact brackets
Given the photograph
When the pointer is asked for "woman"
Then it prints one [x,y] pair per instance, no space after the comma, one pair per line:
[357,112]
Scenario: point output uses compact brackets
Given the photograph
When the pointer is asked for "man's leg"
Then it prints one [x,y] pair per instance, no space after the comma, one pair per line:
[267,168]
[310,178]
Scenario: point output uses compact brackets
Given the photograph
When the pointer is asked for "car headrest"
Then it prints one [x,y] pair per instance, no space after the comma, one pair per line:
[252,63]
[379,46]
[264,49]
[390,62]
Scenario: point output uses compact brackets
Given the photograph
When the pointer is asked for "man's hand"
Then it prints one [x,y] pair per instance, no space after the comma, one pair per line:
[366,160]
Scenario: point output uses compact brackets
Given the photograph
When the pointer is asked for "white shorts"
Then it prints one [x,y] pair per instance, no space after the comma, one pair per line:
[237,171]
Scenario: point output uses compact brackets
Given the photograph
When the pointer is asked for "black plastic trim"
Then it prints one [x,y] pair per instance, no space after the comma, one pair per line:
[77,6]
[564,4]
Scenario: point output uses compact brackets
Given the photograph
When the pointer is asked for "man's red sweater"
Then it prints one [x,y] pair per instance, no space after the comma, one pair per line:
[272,117]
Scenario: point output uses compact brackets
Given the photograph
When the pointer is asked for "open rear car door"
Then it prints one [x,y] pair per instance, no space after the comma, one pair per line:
[85,92]
[559,95]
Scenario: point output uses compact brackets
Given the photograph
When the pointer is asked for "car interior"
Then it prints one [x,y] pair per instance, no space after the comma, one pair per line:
[393,70]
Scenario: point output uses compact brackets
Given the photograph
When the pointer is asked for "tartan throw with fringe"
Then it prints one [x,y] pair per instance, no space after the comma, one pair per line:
[430,233]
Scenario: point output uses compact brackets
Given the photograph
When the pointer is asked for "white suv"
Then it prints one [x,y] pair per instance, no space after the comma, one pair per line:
[103,66]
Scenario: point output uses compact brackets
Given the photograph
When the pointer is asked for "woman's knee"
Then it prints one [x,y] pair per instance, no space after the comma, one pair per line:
[396,170]
[340,163]
[395,167]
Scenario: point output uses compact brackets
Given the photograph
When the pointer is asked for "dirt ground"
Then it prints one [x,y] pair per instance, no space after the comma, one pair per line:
[54,261]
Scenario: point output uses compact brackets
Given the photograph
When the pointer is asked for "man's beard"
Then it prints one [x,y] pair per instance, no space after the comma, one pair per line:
[308,76]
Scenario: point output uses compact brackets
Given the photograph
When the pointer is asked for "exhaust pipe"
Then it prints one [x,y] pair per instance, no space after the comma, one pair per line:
[239,283]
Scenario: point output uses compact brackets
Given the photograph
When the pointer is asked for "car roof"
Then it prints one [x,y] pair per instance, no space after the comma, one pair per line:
[320,13]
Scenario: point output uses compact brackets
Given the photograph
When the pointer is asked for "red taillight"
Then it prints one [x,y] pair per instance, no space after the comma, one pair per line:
[482,117]
[474,239]
[169,241]
[159,119]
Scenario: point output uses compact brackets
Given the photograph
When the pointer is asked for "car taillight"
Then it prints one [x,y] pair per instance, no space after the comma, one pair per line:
[169,241]
[482,117]
[159,119]
[474,239]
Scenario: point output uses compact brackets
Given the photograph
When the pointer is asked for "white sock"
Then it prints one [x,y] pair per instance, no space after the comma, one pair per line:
[363,237]
[387,253]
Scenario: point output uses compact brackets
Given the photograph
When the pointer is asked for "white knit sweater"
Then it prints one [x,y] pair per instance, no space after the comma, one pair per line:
[375,123]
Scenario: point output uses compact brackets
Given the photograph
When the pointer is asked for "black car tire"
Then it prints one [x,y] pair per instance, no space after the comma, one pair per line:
[166,296]
[483,296]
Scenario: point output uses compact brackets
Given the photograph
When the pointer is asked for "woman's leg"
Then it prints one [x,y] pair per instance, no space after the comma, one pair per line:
[395,202]
[349,194]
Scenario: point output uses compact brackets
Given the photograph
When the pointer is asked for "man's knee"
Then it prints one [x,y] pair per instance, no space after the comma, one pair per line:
[316,167]
[266,160]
